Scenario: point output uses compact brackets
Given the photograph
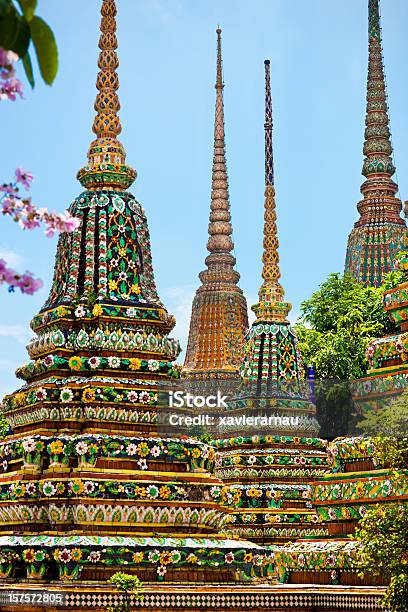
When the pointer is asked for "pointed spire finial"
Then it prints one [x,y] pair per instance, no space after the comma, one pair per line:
[271,306]
[377,145]
[220,242]
[269,178]
[106,156]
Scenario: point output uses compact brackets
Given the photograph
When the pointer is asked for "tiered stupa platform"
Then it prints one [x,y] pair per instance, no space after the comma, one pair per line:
[341,498]
[269,480]
[387,356]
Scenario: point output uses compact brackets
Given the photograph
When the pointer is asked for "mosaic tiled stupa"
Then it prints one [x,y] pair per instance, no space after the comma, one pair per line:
[219,317]
[387,376]
[87,488]
[379,233]
[270,474]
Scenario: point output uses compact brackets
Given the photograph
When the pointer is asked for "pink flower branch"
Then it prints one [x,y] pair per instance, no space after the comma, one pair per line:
[28,216]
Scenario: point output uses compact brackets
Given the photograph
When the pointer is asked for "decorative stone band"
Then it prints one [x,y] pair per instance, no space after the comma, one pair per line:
[285,518]
[235,473]
[277,533]
[396,303]
[332,556]
[349,450]
[251,441]
[271,457]
[86,448]
[93,488]
[78,364]
[110,176]
[368,490]
[113,517]
[248,597]
[379,385]
[80,390]
[103,338]
[99,312]
[266,495]
[74,553]
[81,414]
[381,350]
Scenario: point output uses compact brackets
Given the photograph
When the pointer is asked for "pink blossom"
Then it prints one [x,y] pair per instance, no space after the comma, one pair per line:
[25,282]
[10,86]
[24,177]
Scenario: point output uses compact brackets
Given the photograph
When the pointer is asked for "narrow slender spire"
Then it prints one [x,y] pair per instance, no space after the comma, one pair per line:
[219,314]
[379,232]
[271,304]
[106,156]
[220,228]
[377,144]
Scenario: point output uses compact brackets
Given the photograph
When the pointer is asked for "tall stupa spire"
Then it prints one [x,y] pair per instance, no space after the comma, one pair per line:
[379,233]
[272,371]
[219,313]
[271,305]
[220,228]
[106,156]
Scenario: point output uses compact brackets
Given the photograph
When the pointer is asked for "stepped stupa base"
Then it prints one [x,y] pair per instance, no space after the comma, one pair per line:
[176,597]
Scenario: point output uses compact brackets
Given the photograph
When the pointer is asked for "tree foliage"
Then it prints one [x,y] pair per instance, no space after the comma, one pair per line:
[131,586]
[19,27]
[337,323]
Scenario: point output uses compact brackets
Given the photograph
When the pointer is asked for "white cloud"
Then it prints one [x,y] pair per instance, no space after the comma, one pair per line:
[12,258]
[18,332]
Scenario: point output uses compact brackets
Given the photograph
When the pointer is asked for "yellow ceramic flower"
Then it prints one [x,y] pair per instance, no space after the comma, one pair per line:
[252,492]
[56,447]
[76,554]
[164,492]
[142,449]
[248,557]
[135,364]
[137,557]
[77,486]
[75,363]
[113,285]
[56,554]
[88,395]
[192,558]
[135,289]
[195,453]
[97,310]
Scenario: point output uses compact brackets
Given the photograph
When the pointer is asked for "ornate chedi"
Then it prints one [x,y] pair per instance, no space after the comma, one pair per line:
[272,372]
[87,487]
[270,474]
[379,233]
[219,317]
[387,376]
[355,483]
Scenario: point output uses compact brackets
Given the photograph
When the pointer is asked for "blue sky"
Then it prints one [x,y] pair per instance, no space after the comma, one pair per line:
[318,53]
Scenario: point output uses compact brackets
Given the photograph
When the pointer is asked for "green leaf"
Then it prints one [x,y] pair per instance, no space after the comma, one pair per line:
[9,25]
[22,38]
[45,48]
[28,68]
[28,8]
